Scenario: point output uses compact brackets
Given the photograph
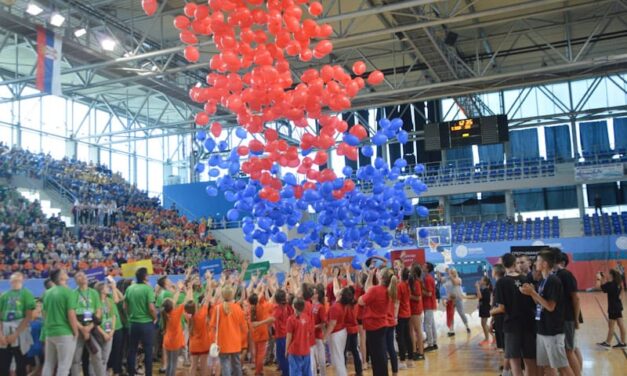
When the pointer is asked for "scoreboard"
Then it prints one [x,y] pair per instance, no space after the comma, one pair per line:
[473,131]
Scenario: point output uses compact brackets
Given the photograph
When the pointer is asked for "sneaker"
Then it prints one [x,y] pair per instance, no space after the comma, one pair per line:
[419,357]
[429,348]
[161,371]
[402,366]
[468,330]
[450,334]
[410,364]
[619,346]
[604,345]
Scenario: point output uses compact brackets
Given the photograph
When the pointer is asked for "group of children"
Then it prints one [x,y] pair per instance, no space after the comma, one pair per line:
[311,318]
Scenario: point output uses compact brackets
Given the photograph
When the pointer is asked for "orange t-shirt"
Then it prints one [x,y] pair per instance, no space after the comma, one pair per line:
[174,339]
[201,338]
[231,328]
[264,311]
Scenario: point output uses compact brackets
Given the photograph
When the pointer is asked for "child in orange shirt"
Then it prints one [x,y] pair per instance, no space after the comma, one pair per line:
[173,338]
[260,318]
[229,324]
[200,337]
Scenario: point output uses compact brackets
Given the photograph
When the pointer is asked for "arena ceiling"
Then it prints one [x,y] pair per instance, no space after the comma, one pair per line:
[427,48]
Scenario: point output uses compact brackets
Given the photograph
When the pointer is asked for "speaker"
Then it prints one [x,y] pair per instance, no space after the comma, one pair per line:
[450,38]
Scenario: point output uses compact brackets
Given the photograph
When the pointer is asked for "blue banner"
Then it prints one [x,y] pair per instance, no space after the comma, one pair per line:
[96,274]
[214,266]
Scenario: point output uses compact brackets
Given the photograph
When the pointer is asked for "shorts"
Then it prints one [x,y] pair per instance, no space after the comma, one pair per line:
[551,351]
[569,335]
[614,314]
[484,312]
[520,345]
[194,353]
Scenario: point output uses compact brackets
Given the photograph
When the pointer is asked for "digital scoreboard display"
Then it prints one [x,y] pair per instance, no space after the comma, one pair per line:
[484,130]
[465,132]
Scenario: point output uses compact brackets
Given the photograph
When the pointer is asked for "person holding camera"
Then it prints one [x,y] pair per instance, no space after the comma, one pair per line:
[611,285]
[88,313]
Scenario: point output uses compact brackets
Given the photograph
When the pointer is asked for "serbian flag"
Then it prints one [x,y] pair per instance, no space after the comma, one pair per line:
[48,61]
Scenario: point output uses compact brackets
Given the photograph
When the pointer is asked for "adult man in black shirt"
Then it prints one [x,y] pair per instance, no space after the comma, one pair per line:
[549,315]
[518,325]
[572,311]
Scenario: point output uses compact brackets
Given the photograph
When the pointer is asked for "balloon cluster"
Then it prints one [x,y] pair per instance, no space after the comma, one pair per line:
[251,77]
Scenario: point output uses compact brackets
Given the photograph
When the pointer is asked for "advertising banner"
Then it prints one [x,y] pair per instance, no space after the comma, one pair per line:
[258,268]
[214,266]
[409,256]
[129,269]
[614,171]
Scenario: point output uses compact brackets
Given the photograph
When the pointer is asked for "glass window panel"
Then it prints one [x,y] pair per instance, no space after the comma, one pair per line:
[155,178]
[155,148]
[31,141]
[82,152]
[55,146]
[79,113]
[119,163]
[6,135]
[7,112]
[616,96]
[598,99]
[30,113]
[142,170]
[54,120]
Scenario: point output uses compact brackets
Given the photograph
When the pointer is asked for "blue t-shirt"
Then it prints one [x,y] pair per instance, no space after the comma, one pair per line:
[37,348]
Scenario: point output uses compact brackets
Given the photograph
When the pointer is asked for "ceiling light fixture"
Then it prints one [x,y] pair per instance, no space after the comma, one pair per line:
[107,44]
[57,19]
[80,32]
[34,9]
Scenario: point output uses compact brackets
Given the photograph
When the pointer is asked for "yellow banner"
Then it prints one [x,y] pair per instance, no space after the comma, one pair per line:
[128,270]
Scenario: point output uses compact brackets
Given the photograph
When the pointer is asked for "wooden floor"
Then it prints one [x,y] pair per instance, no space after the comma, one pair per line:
[462,353]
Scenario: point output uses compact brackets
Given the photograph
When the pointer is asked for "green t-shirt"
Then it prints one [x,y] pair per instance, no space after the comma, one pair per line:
[165,294]
[87,302]
[138,298]
[109,311]
[57,302]
[15,303]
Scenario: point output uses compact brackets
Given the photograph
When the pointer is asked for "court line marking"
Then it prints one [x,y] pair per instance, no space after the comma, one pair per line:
[608,320]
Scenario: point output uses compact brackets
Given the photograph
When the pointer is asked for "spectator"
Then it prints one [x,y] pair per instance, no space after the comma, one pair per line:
[142,315]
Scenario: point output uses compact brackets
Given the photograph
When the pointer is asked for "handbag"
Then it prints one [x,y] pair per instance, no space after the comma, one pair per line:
[214,350]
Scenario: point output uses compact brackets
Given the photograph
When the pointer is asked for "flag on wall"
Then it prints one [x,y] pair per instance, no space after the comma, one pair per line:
[48,61]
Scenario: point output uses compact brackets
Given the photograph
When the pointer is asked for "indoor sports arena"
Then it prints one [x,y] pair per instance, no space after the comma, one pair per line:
[313,187]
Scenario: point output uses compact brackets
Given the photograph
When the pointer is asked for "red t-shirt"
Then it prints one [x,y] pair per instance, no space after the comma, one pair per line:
[350,319]
[281,314]
[300,329]
[390,317]
[429,302]
[320,316]
[375,308]
[336,313]
[404,310]
[308,312]
[416,305]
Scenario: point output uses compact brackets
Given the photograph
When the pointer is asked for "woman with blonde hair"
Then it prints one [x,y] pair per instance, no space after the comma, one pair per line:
[378,306]
[453,286]
[229,325]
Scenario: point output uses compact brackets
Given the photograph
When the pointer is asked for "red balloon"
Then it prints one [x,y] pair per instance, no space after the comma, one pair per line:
[324,47]
[202,118]
[315,9]
[191,54]
[325,31]
[149,6]
[242,151]
[375,77]
[358,131]
[189,9]
[359,68]
[188,37]
[321,157]
[255,146]
[181,22]
[216,129]
[349,185]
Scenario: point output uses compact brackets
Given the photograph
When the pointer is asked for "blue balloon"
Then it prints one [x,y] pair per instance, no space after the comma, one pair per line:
[402,137]
[396,123]
[223,145]
[305,152]
[210,144]
[212,191]
[259,252]
[241,133]
[201,136]
[199,168]
[300,259]
[214,172]
[232,215]
[356,264]
[233,168]
[379,163]
[248,228]
[400,163]
[423,233]
[422,211]
[384,123]
[214,160]
[315,262]
[367,151]
[419,169]
[230,196]
[291,253]
[351,139]
[379,139]
[347,171]
[290,179]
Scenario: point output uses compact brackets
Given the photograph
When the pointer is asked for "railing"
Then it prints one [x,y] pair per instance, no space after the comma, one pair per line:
[63,191]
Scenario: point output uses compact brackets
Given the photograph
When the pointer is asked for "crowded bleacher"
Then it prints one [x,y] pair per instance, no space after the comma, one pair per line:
[133,228]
